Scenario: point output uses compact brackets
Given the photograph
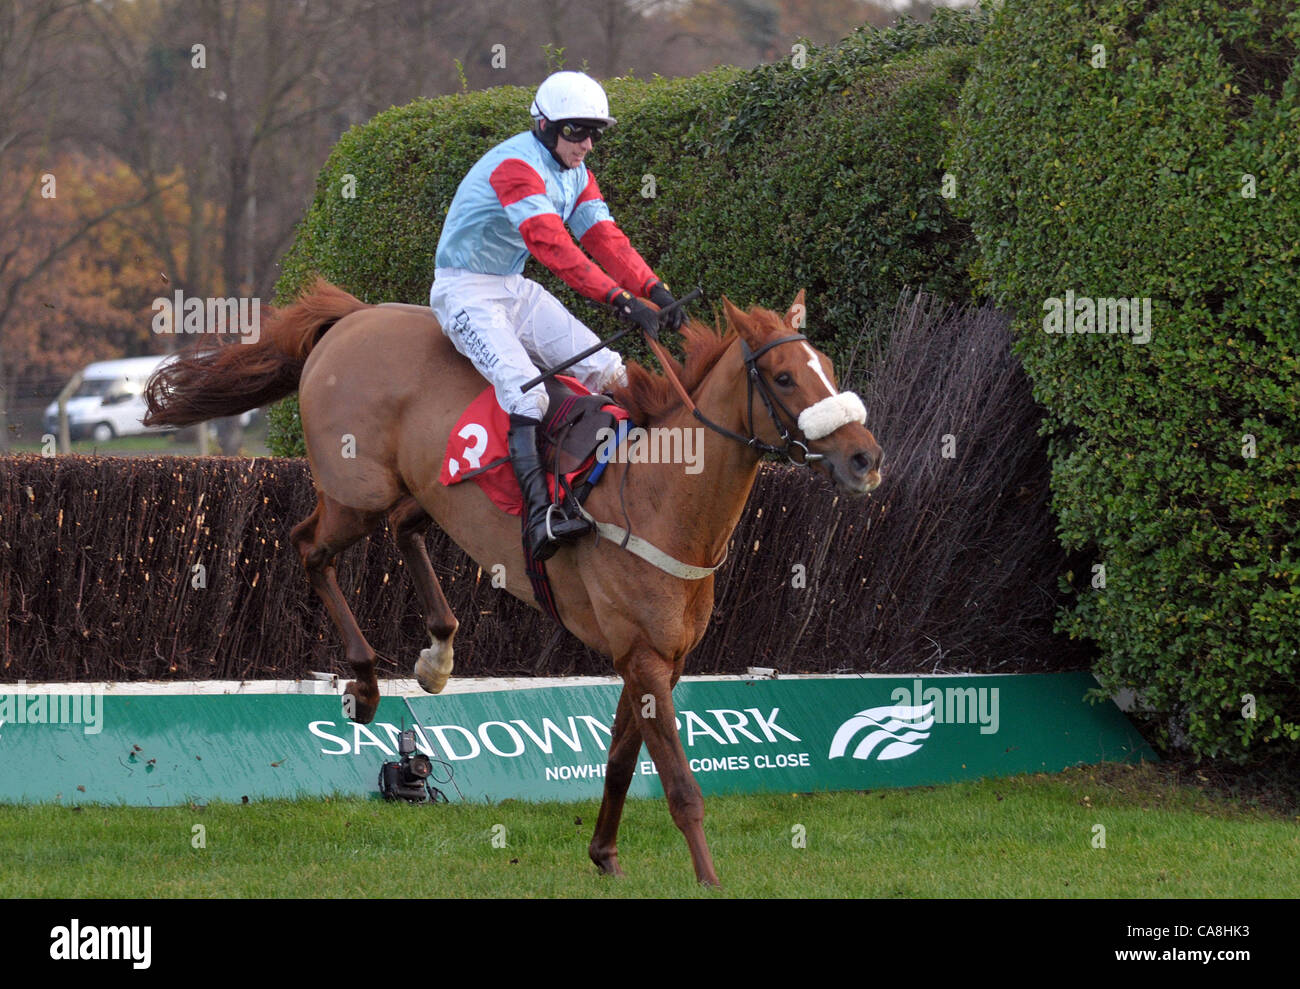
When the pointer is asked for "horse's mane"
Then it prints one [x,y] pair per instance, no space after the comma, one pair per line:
[649,396]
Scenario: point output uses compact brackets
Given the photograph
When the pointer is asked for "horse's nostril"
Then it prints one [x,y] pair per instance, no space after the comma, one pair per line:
[861,463]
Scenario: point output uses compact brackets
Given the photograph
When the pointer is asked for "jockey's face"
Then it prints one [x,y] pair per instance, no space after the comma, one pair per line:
[569,152]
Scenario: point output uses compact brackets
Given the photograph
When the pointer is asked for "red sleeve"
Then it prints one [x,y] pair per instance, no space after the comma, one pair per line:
[610,246]
[514,179]
[549,242]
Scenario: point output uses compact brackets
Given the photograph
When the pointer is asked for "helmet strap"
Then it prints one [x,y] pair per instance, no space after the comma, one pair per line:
[550,138]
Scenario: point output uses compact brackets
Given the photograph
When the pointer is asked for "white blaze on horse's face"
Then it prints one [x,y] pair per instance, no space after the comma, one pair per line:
[823,418]
[830,413]
[816,365]
[834,420]
[854,467]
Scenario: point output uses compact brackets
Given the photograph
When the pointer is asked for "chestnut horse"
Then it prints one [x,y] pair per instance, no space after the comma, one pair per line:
[386,386]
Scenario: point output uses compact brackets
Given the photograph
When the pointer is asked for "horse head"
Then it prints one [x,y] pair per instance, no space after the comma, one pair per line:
[805,410]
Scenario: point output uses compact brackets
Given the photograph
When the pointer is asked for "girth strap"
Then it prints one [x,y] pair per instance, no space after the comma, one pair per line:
[651,553]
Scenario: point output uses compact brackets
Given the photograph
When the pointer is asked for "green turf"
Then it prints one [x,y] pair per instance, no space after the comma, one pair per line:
[1031,836]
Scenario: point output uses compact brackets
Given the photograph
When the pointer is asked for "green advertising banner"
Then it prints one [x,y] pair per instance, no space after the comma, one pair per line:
[551,743]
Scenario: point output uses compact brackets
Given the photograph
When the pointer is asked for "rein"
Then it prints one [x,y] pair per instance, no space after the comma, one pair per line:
[648,551]
[753,379]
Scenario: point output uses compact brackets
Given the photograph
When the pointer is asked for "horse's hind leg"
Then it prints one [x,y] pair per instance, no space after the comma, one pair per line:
[319,538]
[408,520]
[624,747]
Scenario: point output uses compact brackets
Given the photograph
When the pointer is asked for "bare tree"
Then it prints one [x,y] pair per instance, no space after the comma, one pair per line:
[32,39]
[224,110]
[223,95]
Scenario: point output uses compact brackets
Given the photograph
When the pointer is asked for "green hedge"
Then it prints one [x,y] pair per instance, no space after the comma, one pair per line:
[825,176]
[1134,179]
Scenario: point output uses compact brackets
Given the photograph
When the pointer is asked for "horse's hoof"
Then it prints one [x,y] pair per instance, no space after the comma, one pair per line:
[433,668]
[606,862]
[360,702]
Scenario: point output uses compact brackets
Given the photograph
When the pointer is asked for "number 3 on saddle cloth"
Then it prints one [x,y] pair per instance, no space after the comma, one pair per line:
[572,444]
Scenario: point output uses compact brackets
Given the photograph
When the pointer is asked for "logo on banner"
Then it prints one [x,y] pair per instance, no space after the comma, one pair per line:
[901,729]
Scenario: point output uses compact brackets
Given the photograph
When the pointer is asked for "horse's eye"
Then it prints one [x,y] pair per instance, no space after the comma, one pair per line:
[784,380]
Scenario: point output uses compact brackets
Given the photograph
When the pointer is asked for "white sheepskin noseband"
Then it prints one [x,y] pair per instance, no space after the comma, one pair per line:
[824,417]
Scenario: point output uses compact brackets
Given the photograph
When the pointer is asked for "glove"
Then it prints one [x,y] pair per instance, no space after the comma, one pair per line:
[662,298]
[630,309]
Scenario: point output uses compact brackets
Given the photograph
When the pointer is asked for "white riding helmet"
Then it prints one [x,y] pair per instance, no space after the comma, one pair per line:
[571,96]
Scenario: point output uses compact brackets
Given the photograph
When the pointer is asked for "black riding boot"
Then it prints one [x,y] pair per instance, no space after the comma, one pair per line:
[537,499]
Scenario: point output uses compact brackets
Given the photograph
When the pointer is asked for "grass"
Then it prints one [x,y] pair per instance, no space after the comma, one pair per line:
[1029,836]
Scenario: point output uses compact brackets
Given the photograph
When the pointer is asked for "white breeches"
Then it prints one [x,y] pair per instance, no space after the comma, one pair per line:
[507,325]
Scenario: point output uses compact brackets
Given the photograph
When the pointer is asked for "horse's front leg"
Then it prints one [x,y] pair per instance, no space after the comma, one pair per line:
[648,679]
[624,746]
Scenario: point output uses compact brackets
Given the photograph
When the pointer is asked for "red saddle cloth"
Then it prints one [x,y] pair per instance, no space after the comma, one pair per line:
[478,449]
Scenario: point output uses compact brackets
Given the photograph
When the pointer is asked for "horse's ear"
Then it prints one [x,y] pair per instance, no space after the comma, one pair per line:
[797,316]
[736,319]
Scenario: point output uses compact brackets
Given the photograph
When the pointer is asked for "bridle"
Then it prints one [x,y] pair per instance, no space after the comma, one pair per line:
[754,381]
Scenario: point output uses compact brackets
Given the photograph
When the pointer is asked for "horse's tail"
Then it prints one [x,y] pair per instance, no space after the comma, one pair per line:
[236,377]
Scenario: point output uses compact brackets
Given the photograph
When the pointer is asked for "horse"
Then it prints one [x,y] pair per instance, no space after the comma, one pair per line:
[383,383]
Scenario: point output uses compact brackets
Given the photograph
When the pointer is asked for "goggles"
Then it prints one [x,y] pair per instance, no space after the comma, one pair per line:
[578,131]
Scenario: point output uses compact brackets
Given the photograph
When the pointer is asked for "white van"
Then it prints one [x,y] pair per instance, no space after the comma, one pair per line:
[110,400]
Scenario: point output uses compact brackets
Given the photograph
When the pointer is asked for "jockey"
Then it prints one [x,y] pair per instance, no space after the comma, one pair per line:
[514,202]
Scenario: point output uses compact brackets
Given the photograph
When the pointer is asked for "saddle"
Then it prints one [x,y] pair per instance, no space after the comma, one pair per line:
[574,425]
[571,435]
